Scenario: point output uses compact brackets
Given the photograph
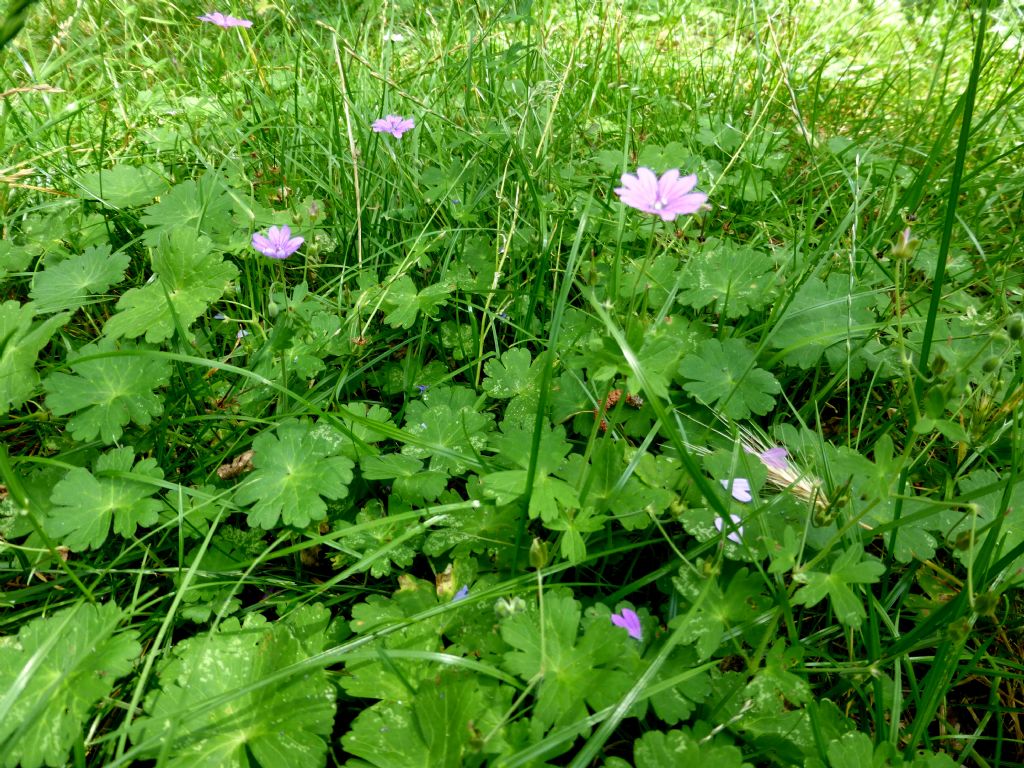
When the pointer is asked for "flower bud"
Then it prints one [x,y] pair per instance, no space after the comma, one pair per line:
[1015,326]
[991,364]
[538,554]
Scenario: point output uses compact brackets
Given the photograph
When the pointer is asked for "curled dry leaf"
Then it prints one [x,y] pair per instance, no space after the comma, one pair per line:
[240,464]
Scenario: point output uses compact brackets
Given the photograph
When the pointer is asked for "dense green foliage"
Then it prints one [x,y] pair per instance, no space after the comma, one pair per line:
[495,469]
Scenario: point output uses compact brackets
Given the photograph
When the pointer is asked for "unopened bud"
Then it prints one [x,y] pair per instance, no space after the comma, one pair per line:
[991,364]
[538,554]
[1015,326]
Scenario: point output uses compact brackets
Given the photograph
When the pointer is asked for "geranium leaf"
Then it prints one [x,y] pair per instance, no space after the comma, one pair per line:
[75,658]
[187,278]
[276,725]
[123,186]
[448,417]
[107,392]
[574,670]
[723,375]
[20,344]
[850,567]
[86,503]
[68,284]
[733,278]
[823,316]
[202,207]
[678,749]
[294,474]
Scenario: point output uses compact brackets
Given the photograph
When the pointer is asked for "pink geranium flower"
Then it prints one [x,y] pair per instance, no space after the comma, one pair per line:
[668,197]
[222,20]
[278,243]
[396,125]
[735,536]
[739,487]
[629,621]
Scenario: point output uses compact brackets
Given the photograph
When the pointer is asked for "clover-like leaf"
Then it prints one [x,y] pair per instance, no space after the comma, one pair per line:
[85,503]
[72,659]
[851,567]
[734,278]
[404,302]
[107,392]
[281,724]
[20,344]
[187,278]
[294,474]
[723,375]
[68,284]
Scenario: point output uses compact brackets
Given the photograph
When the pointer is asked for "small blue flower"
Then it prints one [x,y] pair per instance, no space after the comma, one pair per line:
[461,594]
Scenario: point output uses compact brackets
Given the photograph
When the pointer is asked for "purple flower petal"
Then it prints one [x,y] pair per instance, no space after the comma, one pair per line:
[775,458]
[278,243]
[740,489]
[734,536]
[629,621]
[224,21]
[667,197]
[462,594]
[395,125]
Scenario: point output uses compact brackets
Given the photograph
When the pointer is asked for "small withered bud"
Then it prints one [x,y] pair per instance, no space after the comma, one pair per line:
[905,245]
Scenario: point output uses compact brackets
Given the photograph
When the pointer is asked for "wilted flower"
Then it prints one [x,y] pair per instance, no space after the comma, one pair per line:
[905,245]
[782,473]
[224,21]
[629,621]
[396,125]
[668,197]
[773,458]
[278,243]
[735,536]
[739,487]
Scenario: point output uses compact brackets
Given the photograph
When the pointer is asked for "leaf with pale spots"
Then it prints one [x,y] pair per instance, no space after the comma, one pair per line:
[733,279]
[53,673]
[283,723]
